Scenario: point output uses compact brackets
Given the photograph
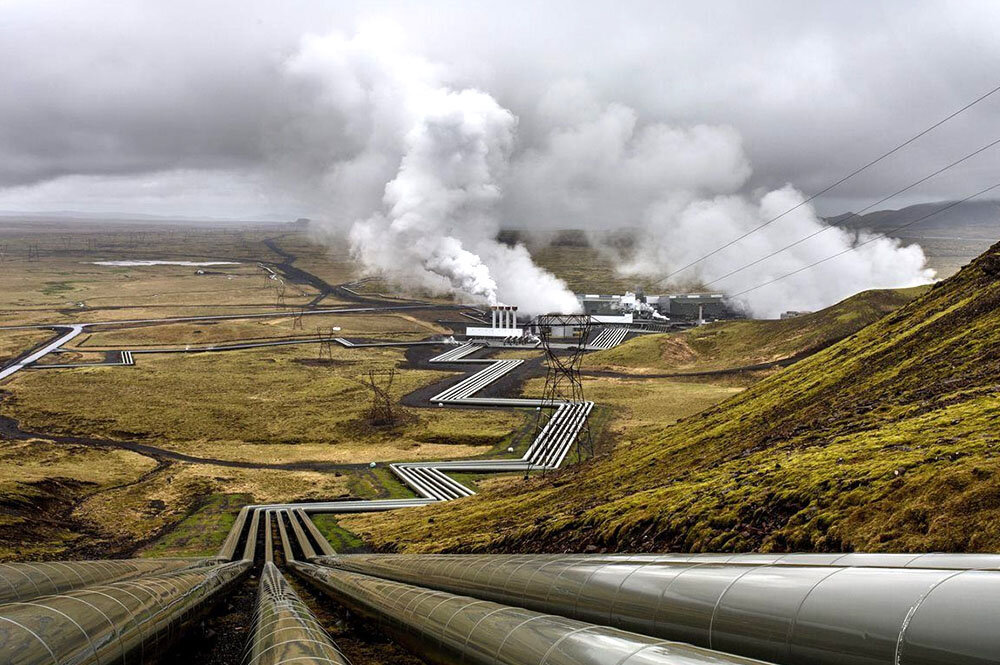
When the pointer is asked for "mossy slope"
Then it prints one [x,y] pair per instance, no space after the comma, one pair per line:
[885,441]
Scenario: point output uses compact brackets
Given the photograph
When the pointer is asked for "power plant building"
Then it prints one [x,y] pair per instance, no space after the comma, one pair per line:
[693,305]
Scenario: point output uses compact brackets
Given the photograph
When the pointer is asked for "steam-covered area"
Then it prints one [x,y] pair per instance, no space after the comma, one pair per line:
[422,174]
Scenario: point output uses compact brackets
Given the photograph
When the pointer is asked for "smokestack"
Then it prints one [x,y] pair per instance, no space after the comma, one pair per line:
[493,311]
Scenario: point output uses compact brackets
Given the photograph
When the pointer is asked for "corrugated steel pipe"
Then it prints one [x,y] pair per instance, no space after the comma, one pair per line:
[24,581]
[794,613]
[121,622]
[447,629]
[285,629]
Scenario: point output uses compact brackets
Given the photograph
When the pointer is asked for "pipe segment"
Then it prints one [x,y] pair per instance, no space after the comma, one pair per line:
[250,548]
[24,581]
[321,541]
[447,629]
[788,609]
[122,622]
[285,629]
[228,549]
[268,538]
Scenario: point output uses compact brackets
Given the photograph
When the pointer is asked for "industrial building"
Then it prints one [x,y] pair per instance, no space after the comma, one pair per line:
[675,306]
[698,306]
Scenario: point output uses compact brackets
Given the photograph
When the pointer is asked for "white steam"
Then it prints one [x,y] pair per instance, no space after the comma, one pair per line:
[435,226]
[679,190]
[422,173]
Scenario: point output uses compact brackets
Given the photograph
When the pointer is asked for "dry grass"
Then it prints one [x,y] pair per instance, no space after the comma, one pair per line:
[41,481]
[154,506]
[252,405]
[397,326]
[15,342]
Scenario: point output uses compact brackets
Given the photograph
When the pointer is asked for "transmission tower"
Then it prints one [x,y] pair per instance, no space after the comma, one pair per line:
[325,343]
[563,381]
[279,292]
[33,253]
[297,319]
[3,253]
[381,412]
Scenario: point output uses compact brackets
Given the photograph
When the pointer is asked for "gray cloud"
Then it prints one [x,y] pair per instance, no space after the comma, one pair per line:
[129,89]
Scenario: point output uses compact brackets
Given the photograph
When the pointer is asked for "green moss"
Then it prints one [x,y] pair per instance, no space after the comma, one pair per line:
[203,532]
[342,540]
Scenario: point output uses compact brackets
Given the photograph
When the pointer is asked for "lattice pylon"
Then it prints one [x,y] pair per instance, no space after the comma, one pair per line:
[563,379]
[382,411]
[326,343]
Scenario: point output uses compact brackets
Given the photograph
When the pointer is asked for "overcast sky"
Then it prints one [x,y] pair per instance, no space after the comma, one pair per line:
[186,108]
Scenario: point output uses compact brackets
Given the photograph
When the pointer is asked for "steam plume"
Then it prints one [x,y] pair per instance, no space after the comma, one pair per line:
[436,223]
[422,172]
[679,189]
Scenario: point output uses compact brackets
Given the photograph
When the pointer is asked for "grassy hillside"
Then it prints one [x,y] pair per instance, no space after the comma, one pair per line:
[729,344]
[888,440]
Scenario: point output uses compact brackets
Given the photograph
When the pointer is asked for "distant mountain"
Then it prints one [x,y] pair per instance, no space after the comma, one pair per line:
[972,220]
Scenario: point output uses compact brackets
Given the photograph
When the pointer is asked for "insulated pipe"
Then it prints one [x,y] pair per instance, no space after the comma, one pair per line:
[894,611]
[307,549]
[228,549]
[268,538]
[445,629]
[121,622]
[317,535]
[285,629]
[24,581]
[286,546]
[250,549]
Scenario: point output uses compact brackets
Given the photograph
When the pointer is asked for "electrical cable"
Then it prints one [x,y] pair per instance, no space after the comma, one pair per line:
[855,214]
[831,186]
[877,236]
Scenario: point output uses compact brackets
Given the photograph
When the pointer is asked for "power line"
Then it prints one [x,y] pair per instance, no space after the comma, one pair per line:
[877,236]
[831,186]
[856,214]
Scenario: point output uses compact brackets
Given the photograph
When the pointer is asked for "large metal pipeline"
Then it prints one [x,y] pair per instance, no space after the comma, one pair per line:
[122,622]
[447,629]
[793,613]
[24,581]
[285,629]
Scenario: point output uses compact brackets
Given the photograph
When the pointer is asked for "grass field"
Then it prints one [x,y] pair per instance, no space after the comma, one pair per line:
[730,344]
[262,405]
[15,342]
[396,326]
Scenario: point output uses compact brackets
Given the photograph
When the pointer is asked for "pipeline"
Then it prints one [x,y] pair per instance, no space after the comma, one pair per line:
[894,611]
[122,622]
[228,549]
[446,629]
[285,629]
[24,581]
